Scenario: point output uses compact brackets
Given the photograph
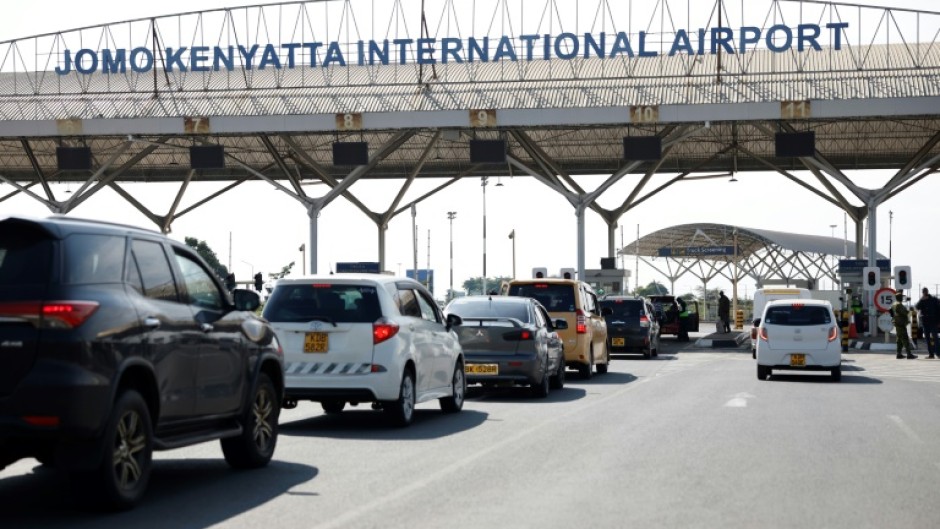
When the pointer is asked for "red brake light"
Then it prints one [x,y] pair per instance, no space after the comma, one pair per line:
[763,334]
[383,330]
[833,333]
[582,322]
[644,321]
[51,315]
[513,336]
[41,420]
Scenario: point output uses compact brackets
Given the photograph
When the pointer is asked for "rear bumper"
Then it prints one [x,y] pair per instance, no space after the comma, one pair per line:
[55,405]
[631,344]
[353,387]
[815,360]
[514,369]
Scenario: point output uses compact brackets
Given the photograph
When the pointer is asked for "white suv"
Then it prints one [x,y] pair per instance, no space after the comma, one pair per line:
[351,338]
[801,335]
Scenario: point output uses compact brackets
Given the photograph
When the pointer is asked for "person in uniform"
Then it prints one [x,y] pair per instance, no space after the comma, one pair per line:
[724,312]
[900,316]
[929,308]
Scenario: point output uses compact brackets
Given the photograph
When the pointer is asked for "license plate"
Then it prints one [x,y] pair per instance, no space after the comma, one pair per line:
[617,342]
[481,369]
[316,342]
[797,360]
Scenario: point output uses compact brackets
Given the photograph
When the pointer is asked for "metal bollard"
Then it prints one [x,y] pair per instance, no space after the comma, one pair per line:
[739,319]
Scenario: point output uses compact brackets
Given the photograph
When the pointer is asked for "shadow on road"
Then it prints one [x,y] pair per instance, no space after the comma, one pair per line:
[183,494]
[521,394]
[824,378]
[641,358]
[611,377]
[362,422]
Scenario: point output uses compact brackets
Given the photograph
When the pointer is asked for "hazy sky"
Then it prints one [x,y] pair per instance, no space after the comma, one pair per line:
[266,227]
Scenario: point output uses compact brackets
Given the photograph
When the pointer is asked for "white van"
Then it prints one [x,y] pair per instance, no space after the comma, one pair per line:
[762,297]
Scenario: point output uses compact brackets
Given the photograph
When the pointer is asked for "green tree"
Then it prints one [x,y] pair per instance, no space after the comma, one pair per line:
[283,273]
[474,285]
[654,288]
[208,255]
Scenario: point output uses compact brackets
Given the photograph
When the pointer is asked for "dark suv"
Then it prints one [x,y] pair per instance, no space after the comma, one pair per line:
[116,341]
[632,325]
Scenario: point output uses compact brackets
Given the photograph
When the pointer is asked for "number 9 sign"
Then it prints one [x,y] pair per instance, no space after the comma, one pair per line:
[884,298]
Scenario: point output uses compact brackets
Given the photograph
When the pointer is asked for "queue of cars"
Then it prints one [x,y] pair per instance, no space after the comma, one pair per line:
[118,341]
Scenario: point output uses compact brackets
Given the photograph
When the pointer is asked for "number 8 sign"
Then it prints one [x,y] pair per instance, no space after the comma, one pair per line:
[884,298]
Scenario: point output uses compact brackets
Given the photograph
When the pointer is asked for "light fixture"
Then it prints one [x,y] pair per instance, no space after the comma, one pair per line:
[733,179]
[499,183]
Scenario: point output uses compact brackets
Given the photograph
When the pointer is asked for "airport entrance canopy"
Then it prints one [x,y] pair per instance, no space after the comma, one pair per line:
[578,95]
[712,251]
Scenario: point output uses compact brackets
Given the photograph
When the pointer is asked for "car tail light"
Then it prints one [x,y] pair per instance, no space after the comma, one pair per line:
[383,330]
[515,336]
[581,326]
[52,314]
[41,420]
[833,333]
[644,321]
[763,334]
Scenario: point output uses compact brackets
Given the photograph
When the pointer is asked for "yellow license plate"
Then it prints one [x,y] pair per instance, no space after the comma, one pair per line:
[481,369]
[316,342]
[797,360]
[617,342]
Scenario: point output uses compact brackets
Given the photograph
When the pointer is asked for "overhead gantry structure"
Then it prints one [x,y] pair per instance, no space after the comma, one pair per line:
[561,83]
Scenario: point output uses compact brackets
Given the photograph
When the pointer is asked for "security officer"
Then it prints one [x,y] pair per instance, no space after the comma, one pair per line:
[901,318]
[929,308]
[683,335]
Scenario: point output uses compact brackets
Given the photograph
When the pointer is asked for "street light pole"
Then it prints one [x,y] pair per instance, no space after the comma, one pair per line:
[831,264]
[484,181]
[512,235]
[450,217]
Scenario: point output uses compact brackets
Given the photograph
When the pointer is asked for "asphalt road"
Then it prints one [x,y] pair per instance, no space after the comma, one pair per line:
[689,439]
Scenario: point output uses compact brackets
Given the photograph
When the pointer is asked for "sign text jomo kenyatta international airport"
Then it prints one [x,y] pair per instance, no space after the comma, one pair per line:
[565,46]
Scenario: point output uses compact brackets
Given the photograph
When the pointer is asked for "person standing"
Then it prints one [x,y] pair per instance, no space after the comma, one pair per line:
[929,308]
[724,311]
[901,319]
[683,334]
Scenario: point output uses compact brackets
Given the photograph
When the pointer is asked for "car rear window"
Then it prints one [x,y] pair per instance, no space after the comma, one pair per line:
[797,314]
[555,298]
[483,308]
[25,257]
[341,303]
[621,308]
[93,259]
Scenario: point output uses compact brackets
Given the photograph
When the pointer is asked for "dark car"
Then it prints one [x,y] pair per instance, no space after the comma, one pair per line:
[509,340]
[116,341]
[632,326]
[667,308]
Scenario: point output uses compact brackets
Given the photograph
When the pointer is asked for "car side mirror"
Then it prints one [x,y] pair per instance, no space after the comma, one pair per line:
[560,324]
[245,299]
[453,320]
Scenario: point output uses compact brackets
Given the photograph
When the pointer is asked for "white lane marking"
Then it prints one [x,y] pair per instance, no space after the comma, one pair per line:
[739,400]
[906,429]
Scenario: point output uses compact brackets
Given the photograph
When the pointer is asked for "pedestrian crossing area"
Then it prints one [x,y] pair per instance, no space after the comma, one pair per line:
[886,365]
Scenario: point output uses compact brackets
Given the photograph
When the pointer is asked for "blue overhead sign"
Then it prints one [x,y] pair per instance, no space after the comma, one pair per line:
[848,267]
[366,267]
[696,251]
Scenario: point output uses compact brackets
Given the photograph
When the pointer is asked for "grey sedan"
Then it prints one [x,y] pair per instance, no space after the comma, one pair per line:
[509,340]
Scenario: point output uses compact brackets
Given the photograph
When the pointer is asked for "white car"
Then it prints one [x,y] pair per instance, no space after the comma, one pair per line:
[799,334]
[351,338]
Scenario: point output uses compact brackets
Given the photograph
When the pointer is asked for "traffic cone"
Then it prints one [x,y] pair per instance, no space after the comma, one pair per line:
[852,332]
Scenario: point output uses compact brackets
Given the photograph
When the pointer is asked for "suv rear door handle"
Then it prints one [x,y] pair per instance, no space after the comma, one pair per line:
[205,327]
[151,323]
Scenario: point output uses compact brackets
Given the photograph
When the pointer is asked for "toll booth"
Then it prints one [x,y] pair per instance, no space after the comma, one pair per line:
[608,279]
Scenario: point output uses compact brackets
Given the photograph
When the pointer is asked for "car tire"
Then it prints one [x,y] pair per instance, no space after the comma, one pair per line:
[458,383]
[332,407]
[541,389]
[121,478]
[836,374]
[602,368]
[558,379]
[400,412]
[587,370]
[763,372]
[254,447]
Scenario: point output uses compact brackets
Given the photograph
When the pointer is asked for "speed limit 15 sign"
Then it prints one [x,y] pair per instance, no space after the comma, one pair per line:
[884,298]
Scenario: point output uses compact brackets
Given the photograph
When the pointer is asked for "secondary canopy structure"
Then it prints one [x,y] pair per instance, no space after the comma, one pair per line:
[710,251]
